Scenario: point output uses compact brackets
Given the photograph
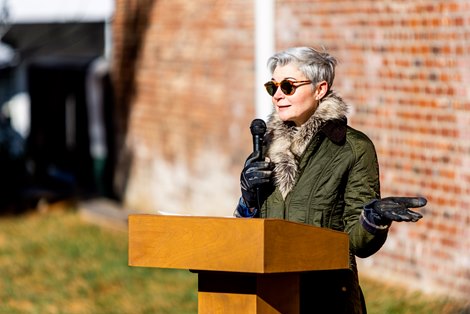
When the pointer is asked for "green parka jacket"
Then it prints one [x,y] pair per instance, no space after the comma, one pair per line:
[325,172]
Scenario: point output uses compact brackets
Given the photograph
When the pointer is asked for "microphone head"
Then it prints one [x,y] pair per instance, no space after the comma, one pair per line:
[258,127]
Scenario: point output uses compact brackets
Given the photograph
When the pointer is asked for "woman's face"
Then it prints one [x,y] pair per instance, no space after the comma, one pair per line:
[301,105]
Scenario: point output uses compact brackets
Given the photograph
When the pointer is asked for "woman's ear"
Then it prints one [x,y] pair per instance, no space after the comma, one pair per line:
[321,90]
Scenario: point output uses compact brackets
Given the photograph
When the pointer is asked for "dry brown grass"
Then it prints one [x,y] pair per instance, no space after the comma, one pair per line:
[54,262]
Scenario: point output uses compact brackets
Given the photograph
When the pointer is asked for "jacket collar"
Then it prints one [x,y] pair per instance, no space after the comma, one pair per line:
[335,130]
[286,143]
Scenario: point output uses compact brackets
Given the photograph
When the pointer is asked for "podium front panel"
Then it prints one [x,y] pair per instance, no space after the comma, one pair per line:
[234,244]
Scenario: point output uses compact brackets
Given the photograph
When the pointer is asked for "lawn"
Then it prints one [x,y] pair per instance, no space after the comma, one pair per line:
[55,262]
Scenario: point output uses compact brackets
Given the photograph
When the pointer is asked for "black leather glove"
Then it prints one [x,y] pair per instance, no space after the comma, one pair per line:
[397,208]
[254,176]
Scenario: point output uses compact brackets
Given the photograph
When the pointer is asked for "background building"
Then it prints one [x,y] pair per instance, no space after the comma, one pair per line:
[54,100]
[185,77]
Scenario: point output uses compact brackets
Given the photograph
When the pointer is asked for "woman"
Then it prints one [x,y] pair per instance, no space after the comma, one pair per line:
[318,170]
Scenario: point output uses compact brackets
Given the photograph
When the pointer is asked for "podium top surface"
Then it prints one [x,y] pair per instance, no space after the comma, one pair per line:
[234,244]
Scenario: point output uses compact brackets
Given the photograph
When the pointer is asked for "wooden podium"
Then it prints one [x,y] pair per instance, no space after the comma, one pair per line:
[243,265]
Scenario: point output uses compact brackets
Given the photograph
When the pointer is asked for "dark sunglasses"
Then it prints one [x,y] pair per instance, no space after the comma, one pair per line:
[288,87]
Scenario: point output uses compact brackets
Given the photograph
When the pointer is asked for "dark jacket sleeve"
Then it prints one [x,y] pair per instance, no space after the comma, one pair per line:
[362,186]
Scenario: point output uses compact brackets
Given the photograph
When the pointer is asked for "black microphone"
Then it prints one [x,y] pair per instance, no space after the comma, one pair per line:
[258,128]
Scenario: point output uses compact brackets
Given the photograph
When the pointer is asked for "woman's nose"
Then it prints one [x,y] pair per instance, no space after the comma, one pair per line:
[278,94]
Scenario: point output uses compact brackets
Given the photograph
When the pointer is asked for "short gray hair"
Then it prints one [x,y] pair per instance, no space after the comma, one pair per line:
[315,65]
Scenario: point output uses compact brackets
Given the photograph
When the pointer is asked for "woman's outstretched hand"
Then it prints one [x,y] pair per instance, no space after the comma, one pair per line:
[398,208]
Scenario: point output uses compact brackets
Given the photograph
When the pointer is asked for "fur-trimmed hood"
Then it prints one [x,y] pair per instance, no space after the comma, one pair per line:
[285,142]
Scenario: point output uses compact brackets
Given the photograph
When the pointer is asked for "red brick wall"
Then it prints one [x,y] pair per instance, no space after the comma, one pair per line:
[404,67]
[188,126]
[185,96]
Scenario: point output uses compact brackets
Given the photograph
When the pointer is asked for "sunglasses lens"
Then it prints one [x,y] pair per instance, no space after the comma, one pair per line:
[270,88]
[287,87]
